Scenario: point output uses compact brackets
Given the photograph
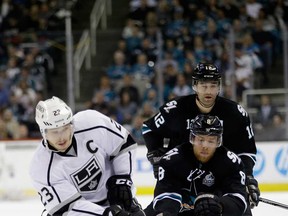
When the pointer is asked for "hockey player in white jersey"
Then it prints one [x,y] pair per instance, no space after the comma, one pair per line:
[84,163]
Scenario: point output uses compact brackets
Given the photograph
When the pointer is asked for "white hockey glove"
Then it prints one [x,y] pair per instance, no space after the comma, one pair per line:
[253,191]
[207,205]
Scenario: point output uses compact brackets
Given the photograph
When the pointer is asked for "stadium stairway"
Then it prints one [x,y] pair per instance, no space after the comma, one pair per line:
[106,44]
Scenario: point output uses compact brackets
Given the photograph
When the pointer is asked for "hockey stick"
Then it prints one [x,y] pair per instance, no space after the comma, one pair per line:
[271,202]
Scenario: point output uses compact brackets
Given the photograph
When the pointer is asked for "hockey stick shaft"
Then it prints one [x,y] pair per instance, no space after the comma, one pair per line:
[271,202]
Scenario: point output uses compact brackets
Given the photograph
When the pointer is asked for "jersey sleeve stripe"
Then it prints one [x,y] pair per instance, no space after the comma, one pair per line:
[173,196]
[129,142]
[85,212]
[63,207]
[48,177]
[99,127]
[252,156]
[130,161]
[145,129]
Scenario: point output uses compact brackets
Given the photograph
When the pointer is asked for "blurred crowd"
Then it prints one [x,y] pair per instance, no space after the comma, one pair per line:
[26,62]
[190,31]
[162,41]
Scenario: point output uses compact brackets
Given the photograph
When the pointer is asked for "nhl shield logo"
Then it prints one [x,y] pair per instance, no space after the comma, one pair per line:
[209,180]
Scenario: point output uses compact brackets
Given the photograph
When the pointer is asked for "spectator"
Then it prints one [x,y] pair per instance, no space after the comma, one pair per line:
[4,94]
[202,54]
[136,129]
[151,97]
[239,29]
[253,8]
[253,50]
[106,88]
[23,132]
[99,103]
[147,110]
[134,40]
[128,28]
[4,134]
[129,86]
[163,13]
[13,69]
[265,40]
[119,67]
[223,23]
[198,27]
[275,132]
[11,123]
[16,107]
[181,88]
[25,94]
[187,71]
[141,10]
[185,40]
[243,71]
[265,112]
[173,28]
[142,69]
[230,9]
[148,48]
[177,53]
[126,109]
[170,79]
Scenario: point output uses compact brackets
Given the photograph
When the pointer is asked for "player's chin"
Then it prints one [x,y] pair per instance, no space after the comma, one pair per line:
[62,147]
[209,99]
[204,157]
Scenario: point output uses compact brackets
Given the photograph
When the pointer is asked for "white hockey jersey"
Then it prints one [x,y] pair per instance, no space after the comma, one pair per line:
[74,182]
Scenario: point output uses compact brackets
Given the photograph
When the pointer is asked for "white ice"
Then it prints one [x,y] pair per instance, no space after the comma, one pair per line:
[33,207]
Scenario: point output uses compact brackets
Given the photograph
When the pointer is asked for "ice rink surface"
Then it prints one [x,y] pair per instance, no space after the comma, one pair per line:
[33,207]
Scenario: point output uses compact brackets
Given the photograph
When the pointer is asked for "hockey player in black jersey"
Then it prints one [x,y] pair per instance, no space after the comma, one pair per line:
[170,126]
[201,178]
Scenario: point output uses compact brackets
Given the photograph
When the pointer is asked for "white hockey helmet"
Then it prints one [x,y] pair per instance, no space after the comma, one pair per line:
[52,113]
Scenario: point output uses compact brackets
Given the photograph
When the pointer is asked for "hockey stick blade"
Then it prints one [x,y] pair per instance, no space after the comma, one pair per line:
[271,202]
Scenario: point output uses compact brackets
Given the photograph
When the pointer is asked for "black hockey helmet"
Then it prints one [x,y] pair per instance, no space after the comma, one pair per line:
[206,125]
[206,71]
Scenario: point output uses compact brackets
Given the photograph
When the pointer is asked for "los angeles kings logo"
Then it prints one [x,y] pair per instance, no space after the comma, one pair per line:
[87,178]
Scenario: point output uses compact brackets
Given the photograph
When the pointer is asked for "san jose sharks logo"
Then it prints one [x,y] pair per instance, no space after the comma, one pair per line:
[209,180]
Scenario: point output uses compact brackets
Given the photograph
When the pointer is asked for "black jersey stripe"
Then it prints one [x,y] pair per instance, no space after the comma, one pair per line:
[98,127]
[48,177]
[130,161]
[130,141]
[85,212]
[65,208]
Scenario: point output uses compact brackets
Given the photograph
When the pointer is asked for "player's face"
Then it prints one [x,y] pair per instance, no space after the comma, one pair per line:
[207,91]
[204,147]
[60,138]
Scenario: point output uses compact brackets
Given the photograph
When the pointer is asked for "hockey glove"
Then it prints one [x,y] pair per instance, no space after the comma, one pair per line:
[119,191]
[115,210]
[207,205]
[253,191]
[136,208]
[165,214]
[154,158]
